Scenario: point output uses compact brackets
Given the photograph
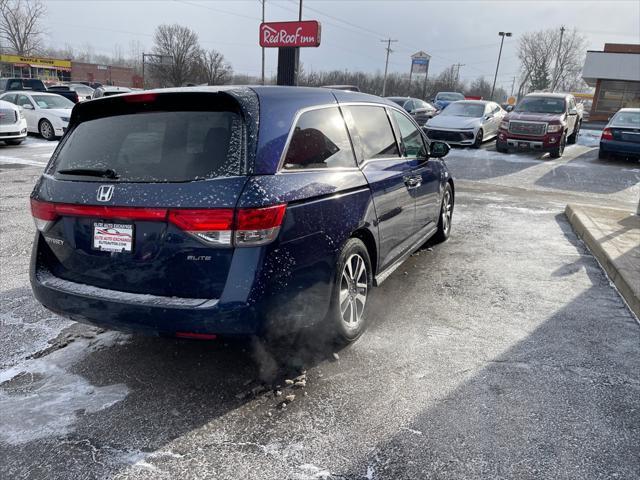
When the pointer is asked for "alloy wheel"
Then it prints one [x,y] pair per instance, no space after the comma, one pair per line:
[46,130]
[353,291]
[447,210]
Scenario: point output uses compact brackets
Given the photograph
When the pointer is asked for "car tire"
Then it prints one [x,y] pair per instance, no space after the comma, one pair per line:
[501,147]
[46,129]
[602,155]
[573,138]
[14,142]
[347,314]
[478,141]
[559,150]
[446,215]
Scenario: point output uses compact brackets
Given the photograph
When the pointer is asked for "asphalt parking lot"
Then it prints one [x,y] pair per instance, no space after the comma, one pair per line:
[502,353]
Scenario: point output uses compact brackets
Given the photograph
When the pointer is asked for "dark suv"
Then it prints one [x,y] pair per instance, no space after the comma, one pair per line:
[205,211]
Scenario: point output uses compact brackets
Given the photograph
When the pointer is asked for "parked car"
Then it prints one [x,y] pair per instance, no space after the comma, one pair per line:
[349,88]
[205,211]
[108,90]
[466,122]
[541,121]
[32,84]
[13,126]
[621,136]
[442,99]
[420,110]
[84,92]
[46,113]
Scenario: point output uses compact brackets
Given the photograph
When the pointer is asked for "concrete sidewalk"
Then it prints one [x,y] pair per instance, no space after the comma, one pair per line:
[613,236]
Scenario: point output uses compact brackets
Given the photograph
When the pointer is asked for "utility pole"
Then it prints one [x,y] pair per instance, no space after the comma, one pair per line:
[386,64]
[495,77]
[555,70]
[263,1]
[298,48]
[458,65]
[513,85]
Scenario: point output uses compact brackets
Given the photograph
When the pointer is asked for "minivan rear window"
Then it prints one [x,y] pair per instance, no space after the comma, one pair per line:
[163,146]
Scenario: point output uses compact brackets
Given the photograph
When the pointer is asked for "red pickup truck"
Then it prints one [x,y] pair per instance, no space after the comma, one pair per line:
[541,121]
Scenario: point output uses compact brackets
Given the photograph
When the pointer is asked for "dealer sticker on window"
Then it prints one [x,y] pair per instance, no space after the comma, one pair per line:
[112,237]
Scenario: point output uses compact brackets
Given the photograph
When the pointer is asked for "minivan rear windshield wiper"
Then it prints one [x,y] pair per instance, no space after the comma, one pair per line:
[90,172]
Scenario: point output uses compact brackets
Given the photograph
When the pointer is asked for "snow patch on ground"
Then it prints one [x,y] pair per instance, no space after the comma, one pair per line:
[313,472]
[489,155]
[589,138]
[41,398]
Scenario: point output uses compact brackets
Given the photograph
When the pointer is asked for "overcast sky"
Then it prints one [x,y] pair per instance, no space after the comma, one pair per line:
[451,31]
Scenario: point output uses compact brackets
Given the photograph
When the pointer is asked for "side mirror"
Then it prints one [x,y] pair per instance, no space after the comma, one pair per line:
[488,117]
[509,108]
[27,106]
[438,149]
[573,111]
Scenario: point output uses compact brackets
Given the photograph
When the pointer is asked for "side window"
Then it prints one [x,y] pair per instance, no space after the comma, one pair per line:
[23,100]
[496,108]
[374,132]
[409,105]
[10,98]
[319,140]
[412,141]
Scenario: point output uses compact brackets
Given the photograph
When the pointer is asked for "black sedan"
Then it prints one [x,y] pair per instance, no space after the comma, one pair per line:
[420,110]
[621,136]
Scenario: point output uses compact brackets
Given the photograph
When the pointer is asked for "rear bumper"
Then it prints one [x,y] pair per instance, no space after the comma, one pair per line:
[149,314]
[616,146]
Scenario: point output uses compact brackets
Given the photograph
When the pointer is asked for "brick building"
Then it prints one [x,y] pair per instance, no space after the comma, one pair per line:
[105,74]
[615,73]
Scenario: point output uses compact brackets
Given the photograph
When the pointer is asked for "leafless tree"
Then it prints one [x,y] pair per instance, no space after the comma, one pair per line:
[20,25]
[181,44]
[214,70]
[538,52]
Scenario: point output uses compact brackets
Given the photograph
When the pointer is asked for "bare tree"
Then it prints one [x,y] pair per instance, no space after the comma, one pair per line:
[181,44]
[538,51]
[20,25]
[214,70]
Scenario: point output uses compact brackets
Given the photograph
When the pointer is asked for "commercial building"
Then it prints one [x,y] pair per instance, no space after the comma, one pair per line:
[615,74]
[46,69]
[55,70]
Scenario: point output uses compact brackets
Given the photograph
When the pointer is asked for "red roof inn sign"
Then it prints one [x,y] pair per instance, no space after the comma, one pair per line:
[290,34]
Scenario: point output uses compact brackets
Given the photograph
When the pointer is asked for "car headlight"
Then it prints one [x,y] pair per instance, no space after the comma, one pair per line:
[554,128]
[504,125]
[65,119]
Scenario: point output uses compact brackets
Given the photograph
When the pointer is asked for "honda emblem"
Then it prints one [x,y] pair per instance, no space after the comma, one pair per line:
[105,192]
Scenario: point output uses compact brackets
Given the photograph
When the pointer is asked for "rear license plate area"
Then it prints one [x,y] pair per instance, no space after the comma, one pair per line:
[112,237]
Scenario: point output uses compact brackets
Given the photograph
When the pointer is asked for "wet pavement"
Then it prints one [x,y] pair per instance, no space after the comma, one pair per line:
[502,353]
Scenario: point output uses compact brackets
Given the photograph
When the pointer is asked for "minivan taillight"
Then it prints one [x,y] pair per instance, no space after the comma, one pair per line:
[243,227]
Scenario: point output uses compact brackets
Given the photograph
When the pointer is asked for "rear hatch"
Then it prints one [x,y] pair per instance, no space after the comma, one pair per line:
[140,195]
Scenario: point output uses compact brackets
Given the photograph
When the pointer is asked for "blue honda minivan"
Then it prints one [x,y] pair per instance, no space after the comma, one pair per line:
[206,211]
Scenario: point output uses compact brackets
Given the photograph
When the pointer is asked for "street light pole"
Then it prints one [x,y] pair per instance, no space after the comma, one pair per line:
[502,34]
[263,47]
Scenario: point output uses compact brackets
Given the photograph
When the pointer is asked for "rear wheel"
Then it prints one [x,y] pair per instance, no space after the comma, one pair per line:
[14,142]
[353,281]
[446,215]
[478,141]
[46,129]
[559,150]
[573,138]
[602,155]
[502,147]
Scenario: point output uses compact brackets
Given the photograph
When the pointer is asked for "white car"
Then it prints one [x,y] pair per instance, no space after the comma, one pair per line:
[13,126]
[46,113]
[466,122]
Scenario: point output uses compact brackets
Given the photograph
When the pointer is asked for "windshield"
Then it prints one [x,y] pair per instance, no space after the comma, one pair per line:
[52,101]
[156,146]
[399,101]
[626,119]
[541,105]
[473,110]
[450,96]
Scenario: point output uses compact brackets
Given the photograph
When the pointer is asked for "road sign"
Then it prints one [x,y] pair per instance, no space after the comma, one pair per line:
[290,34]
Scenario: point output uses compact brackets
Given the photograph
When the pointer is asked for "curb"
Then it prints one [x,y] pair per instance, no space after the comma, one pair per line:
[619,279]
